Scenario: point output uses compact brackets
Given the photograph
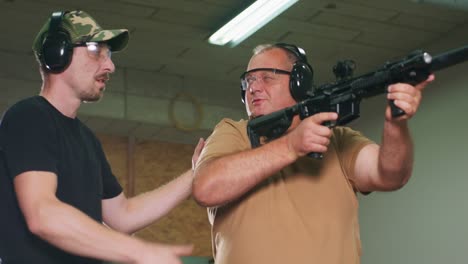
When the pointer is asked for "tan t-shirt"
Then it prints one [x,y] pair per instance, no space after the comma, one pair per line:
[306,213]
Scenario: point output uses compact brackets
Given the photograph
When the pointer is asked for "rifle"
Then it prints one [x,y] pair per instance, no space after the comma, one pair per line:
[344,95]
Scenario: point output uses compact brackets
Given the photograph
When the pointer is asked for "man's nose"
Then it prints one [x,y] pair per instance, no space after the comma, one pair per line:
[109,65]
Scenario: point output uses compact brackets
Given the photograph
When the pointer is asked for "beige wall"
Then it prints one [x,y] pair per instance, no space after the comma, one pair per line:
[157,163]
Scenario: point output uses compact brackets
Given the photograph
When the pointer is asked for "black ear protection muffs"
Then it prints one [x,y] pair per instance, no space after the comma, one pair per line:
[57,49]
[302,74]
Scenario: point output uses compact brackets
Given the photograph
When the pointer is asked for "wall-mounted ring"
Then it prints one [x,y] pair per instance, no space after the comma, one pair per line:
[198,112]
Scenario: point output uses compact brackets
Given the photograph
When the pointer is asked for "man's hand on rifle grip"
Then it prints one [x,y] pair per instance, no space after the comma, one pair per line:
[405,97]
[311,135]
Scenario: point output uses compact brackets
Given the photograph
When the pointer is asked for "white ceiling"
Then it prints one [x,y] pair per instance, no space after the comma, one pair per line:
[168,42]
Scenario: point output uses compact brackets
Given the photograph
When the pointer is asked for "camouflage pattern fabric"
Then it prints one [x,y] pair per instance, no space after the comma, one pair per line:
[81,28]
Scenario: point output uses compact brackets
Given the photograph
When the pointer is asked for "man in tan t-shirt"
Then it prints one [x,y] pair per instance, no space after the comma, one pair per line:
[274,204]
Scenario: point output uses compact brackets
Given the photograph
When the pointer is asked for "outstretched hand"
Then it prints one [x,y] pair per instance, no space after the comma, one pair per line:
[197,151]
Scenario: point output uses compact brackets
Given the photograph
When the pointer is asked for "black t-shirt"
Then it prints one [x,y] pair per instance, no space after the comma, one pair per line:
[35,136]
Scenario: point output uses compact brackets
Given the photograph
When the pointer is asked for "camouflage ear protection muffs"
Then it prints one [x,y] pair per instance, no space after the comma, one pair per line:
[57,49]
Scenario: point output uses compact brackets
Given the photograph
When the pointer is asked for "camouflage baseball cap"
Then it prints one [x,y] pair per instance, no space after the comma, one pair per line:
[83,28]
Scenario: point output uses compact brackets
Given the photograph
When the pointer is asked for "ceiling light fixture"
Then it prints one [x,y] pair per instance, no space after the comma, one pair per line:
[248,21]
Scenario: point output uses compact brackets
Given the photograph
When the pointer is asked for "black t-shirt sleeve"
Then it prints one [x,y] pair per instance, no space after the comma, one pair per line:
[28,140]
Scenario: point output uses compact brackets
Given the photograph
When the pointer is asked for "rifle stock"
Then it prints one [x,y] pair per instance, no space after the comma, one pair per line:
[344,95]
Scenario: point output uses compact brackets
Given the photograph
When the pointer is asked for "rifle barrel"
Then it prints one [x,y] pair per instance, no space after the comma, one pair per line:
[449,58]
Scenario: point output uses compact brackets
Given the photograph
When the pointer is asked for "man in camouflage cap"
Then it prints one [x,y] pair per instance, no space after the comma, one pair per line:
[53,45]
[57,187]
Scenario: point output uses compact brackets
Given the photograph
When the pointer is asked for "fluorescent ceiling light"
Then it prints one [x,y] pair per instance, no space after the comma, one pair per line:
[249,21]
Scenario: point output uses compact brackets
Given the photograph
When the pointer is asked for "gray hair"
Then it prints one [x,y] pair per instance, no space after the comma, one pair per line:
[266,47]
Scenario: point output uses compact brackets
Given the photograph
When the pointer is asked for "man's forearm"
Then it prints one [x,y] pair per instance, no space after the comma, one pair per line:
[396,153]
[71,230]
[226,178]
[144,209]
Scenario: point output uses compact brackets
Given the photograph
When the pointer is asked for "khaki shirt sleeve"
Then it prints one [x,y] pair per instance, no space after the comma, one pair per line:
[348,143]
[228,137]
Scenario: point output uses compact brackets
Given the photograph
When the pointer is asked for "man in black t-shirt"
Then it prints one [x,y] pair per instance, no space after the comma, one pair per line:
[56,186]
